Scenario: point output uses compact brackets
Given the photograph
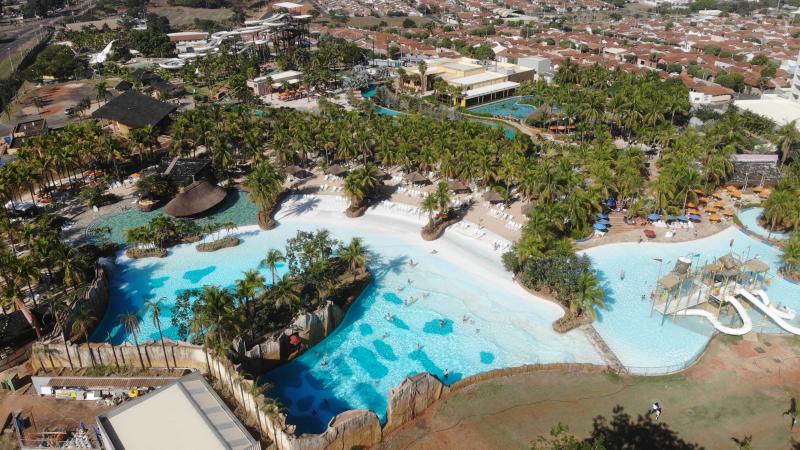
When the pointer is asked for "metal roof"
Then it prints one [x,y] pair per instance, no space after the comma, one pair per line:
[90,383]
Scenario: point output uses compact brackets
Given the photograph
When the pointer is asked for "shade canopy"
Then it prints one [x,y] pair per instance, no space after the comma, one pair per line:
[599,226]
[694,218]
[197,197]
[416,177]
[715,217]
[457,186]
[654,216]
[602,215]
[683,218]
[297,172]
[336,170]
[604,221]
[492,197]
[650,233]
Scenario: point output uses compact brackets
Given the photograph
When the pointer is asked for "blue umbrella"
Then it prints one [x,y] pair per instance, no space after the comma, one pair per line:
[602,215]
[599,226]
[695,218]
[653,216]
[683,218]
[604,221]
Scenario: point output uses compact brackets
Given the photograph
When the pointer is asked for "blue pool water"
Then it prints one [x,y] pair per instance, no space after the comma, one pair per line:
[749,218]
[506,108]
[639,339]
[368,355]
[235,208]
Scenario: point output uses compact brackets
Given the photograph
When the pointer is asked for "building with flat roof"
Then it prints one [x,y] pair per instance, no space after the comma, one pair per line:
[185,414]
[262,86]
[475,82]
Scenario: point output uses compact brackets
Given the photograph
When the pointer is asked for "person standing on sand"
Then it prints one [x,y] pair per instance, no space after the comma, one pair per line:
[792,412]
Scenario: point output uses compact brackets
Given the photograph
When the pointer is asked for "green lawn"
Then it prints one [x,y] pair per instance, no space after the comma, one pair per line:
[734,391]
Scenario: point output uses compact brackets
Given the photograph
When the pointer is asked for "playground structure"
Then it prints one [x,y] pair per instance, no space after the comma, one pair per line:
[282,30]
[708,290]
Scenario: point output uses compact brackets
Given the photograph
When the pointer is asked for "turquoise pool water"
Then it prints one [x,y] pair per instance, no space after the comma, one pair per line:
[368,355]
[749,218]
[506,108]
[639,339]
[236,208]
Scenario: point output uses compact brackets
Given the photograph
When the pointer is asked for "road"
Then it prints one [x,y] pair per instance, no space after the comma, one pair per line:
[17,36]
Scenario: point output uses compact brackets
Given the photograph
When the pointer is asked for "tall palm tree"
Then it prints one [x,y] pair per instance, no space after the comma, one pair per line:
[82,322]
[265,184]
[247,288]
[271,261]
[284,292]
[588,296]
[155,315]
[131,322]
[787,137]
[360,183]
[355,255]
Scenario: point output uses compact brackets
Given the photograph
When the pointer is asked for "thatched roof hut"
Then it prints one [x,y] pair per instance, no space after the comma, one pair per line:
[492,197]
[196,198]
[457,186]
[336,170]
[298,172]
[417,178]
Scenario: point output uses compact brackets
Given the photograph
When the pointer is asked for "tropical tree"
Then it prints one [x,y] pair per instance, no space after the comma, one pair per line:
[82,322]
[131,322]
[271,261]
[787,137]
[265,184]
[355,255]
[155,315]
[360,183]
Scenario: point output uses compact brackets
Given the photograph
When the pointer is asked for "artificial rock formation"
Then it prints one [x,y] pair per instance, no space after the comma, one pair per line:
[411,398]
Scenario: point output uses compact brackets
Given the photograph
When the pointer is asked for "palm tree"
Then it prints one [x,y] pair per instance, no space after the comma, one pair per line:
[59,310]
[130,321]
[786,138]
[265,184]
[588,296]
[82,321]
[155,316]
[355,255]
[284,292]
[791,254]
[360,183]
[247,288]
[271,261]
[102,92]
[430,204]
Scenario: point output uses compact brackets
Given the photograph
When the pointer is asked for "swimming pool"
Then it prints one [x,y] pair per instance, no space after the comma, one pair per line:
[506,108]
[749,218]
[235,208]
[639,339]
[368,355]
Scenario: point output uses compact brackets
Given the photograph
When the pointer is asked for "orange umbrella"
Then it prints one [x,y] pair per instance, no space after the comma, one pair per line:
[715,217]
[730,188]
[717,194]
[728,212]
[691,205]
[736,194]
[758,189]
[698,191]
[694,211]
[703,199]
[763,194]
[711,208]
[719,204]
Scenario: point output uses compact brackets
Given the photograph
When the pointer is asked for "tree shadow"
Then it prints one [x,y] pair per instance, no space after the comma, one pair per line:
[623,432]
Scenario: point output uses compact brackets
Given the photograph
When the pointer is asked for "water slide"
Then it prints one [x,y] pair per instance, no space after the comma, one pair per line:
[747,324]
[100,58]
[771,312]
[784,312]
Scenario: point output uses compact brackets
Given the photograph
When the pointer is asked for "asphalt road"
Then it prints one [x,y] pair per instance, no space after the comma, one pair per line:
[17,36]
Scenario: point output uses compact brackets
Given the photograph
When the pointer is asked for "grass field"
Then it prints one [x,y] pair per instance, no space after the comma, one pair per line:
[739,388]
[182,16]
[7,63]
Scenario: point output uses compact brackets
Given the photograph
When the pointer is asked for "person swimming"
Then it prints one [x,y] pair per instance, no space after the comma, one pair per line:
[425,294]
[621,274]
[389,317]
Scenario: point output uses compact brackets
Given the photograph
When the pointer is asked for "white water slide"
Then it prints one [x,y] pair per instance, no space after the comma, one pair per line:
[747,324]
[772,312]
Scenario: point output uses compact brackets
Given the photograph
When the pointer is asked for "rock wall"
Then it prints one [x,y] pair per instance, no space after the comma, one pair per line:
[95,300]
[350,429]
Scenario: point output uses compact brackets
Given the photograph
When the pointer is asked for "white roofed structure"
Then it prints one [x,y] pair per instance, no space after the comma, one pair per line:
[185,414]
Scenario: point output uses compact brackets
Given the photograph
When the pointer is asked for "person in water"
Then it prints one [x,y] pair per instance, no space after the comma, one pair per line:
[441,323]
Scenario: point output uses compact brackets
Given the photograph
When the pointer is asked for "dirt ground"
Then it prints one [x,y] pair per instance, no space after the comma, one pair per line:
[57,97]
[740,387]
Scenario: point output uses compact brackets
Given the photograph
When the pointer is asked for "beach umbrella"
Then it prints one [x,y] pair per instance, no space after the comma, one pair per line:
[695,218]
[650,233]
[717,194]
[694,211]
[736,194]
[758,189]
[604,221]
[711,208]
[763,194]
[703,199]
[719,204]
[691,205]
[653,217]
[457,186]
[698,191]
[599,226]
[728,212]
[730,188]
[715,217]
[683,218]
[602,215]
